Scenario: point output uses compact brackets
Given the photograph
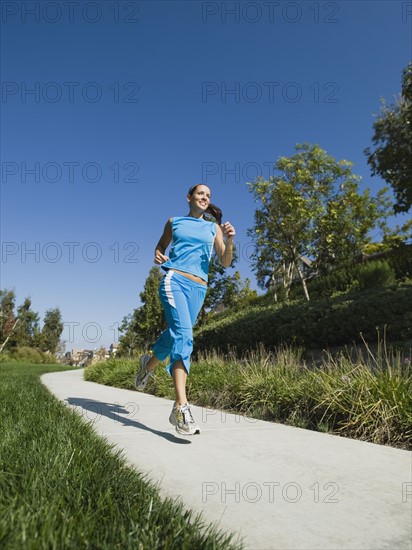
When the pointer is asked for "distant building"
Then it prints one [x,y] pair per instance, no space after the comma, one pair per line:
[305,266]
[80,357]
[113,349]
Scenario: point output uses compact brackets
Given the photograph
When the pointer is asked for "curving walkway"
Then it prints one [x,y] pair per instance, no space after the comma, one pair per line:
[278,487]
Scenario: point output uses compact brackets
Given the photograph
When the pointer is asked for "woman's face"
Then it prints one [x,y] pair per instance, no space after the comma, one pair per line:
[200,197]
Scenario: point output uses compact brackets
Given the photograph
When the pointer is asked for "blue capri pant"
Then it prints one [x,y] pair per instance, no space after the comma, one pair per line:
[182,300]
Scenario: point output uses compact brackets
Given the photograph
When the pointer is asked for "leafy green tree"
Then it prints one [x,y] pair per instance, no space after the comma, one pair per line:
[27,329]
[128,340]
[237,291]
[224,289]
[313,209]
[143,326]
[49,336]
[7,317]
[150,319]
[8,321]
[217,284]
[392,157]
[344,228]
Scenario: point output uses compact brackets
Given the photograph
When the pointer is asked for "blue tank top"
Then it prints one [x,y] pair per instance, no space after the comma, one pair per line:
[192,246]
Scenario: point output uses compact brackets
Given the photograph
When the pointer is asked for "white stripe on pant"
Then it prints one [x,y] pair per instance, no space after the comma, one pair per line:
[182,300]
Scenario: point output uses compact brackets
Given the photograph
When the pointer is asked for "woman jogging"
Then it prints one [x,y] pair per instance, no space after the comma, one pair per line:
[182,292]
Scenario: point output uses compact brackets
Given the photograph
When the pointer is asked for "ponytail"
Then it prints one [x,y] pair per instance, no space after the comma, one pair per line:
[213,212]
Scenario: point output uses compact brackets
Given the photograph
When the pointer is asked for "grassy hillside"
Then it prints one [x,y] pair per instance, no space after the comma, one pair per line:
[325,322]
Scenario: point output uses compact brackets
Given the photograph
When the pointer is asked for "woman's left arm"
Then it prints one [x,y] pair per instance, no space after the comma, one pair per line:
[225,234]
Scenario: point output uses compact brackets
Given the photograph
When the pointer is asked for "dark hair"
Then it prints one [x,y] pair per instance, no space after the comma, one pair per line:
[213,212]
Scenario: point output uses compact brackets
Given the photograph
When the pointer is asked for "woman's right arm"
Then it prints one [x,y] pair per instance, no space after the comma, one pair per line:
[163,243]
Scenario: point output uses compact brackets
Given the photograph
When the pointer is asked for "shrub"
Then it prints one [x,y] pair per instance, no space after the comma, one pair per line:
[338,320]
[400,259]
[26,354]
[375,274]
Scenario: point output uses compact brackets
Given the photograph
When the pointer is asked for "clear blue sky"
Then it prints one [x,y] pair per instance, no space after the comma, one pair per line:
[111,110]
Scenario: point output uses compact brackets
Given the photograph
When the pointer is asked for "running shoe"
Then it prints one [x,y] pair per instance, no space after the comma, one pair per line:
[142,377]
[181,418]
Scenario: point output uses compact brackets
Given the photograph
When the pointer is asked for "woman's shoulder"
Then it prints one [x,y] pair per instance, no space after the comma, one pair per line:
[176,219]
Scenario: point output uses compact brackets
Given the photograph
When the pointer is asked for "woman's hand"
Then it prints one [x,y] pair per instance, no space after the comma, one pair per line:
[160,258]
[228,231]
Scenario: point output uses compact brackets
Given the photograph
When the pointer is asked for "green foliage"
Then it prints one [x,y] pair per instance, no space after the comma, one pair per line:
[21,331]
[224,289]
[129,339]
[26,354]
[150,317]
[220,285]
[392,158]
[313,208]
[143,326]
[400,259]
[337,320]
[7,317]
[49,337]
[376,275]
[361,276]
[64,487]
[27,329]
[371,401]
[117,371]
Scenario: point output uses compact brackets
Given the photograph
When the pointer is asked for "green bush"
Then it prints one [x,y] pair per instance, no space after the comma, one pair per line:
[26,354]
[338,320]
[375,274]
[400,259]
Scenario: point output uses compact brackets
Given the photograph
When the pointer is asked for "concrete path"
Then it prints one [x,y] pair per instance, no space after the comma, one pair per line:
[277,487]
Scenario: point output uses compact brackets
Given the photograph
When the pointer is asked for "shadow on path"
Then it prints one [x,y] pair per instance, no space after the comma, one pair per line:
[114,411]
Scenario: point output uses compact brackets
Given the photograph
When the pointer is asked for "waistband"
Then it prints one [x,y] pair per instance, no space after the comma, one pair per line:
[182,279]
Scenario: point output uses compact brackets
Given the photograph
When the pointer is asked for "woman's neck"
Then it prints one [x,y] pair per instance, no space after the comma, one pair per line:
[196,214]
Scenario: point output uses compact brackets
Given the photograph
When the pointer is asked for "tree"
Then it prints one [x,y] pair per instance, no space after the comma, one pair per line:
[128,340]
[237,291]
[52,328]
[27,329]
[150,318]
[7,317]
[223,288]
[143,326]
[392,158]
[8,321]
[312,209]
[22,329]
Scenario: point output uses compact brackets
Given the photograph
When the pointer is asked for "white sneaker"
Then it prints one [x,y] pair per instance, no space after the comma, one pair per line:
[142,377]
[181,417]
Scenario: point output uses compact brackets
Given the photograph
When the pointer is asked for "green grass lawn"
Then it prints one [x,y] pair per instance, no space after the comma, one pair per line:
[63,487]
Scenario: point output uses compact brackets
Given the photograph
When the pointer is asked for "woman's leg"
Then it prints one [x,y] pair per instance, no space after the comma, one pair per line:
[176,341]
[181,300]
[152,363]
[179,380]
[195,302]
